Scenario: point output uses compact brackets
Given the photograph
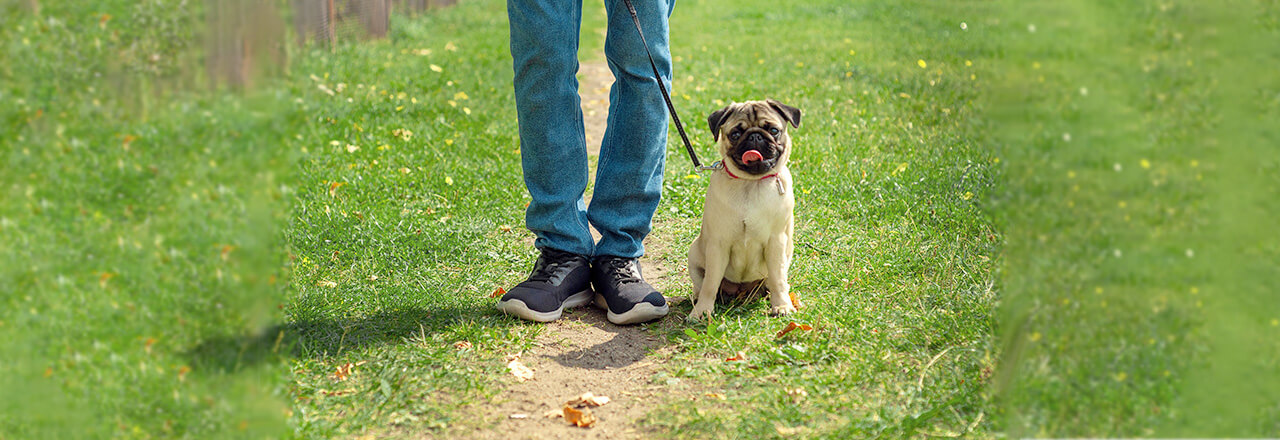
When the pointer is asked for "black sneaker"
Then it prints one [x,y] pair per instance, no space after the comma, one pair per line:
[621,289]
[560,280]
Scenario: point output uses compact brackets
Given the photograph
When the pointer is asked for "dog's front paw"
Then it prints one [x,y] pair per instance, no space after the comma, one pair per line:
[782,310]
[699,314]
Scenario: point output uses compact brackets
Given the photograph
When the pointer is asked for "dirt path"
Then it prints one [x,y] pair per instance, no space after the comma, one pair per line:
[594,79]
[583,352]
[579,353]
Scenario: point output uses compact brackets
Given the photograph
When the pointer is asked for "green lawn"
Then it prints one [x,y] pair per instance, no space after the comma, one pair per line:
[1012,219]
[895,259]
[135,225]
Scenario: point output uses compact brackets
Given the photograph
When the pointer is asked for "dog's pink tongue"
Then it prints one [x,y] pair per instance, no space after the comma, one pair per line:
[751,156]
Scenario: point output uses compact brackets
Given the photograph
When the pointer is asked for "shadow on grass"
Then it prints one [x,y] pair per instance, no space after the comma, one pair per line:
[331,337]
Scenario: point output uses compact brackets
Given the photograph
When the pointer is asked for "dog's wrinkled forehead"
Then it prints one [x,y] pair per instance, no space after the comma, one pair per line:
[753,114]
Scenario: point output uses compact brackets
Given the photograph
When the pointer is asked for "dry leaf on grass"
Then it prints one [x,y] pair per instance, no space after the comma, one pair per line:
[798,394]
[716,396]
[345,371]
[795,302]
[498,292]
[789,431]
[580,418]
[553,413]
[519,370]
[103,278]
[462,345]
[737,357]
[793,326]
[328,393]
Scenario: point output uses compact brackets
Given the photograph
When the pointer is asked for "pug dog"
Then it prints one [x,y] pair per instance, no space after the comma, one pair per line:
[746,237]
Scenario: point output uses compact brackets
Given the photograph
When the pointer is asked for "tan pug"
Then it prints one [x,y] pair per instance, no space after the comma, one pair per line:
[747,217]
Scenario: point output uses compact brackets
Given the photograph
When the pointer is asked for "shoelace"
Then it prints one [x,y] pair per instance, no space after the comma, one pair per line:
[621,270]
[544,272]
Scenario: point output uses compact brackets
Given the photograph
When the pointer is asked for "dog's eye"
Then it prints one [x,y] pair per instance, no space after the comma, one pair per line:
[773,131]
[735,135]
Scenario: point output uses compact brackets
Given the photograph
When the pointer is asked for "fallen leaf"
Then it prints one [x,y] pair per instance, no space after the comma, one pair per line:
[798,394]
[795,302]
[462,345]
[793,326]
[498,292]
[588,399]
[716,396]
[343,371]
[519,370]
[226,250]
[553,413]
[788,431]
[102,279]
[333,188]
[580,418]
[504,228]
[182,373]
[737,357]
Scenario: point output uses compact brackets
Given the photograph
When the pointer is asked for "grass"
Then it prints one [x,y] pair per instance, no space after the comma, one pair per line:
[895,264]
[1030,224]
[1120,278]
[133,228]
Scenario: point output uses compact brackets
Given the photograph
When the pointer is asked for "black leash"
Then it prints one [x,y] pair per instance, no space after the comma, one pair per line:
[666,96]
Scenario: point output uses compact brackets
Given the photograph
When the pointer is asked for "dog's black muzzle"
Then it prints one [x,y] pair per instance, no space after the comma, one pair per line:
[758,139]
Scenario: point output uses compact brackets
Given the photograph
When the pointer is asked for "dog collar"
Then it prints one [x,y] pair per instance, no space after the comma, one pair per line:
[726,169]
[777,182]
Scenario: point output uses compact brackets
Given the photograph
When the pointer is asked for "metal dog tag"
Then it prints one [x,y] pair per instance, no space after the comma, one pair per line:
[778,181]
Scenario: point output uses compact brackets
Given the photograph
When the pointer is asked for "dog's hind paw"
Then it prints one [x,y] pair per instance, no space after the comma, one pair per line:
[782,310]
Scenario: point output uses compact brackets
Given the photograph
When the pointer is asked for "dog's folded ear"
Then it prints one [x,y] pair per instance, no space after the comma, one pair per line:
[791,114]
[716,118]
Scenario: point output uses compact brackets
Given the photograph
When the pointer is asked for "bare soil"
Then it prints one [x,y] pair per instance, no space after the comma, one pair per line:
[580,353]
[594,79]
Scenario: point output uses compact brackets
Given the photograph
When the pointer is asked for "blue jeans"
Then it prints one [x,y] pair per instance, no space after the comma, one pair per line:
[553,150]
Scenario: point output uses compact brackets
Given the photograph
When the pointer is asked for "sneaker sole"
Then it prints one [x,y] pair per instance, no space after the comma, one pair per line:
[642,312]
[520,309]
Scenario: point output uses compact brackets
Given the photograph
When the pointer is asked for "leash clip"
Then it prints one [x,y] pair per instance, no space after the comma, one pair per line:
[713,167]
